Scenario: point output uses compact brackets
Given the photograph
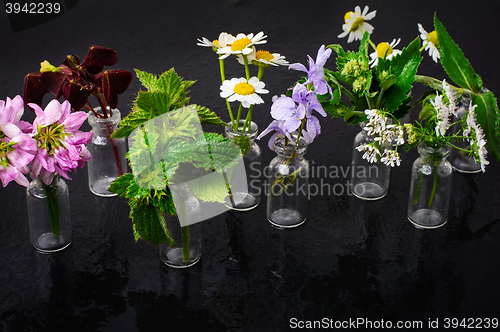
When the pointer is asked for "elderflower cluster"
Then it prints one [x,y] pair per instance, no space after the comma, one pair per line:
[384,135]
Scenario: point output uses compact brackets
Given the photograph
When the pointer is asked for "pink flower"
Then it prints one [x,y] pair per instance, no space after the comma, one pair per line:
[61,146]
[17,148]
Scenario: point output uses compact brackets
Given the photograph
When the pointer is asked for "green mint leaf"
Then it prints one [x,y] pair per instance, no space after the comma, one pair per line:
[130,122]
[149,224]
[120,185]
[207,117]
[149,81]
[210,188]
[488,118]
[454,61]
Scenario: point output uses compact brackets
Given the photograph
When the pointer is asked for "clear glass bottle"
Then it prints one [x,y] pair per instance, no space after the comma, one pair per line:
[252,159]
[369,181]
[49,215]
[185,229]
[460,160]
[430,187]
[288,186]
[108,155]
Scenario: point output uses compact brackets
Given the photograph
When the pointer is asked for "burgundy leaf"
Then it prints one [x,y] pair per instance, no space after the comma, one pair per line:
[76,95]
[33,89]
[104,55]
[93,67]
[115,82]
[53,82]
[72,62]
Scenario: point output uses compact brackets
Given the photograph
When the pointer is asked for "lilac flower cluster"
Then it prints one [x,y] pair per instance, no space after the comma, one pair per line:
[293,117]
[53,143]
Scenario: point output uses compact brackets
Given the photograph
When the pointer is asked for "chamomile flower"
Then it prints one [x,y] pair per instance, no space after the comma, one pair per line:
[263,58]
[355,24]
[384,50]
[242,44]
[246,92]
[430,42]
[224,40]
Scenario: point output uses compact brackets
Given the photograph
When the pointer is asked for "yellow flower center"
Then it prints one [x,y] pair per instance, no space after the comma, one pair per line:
[244,89]
[240,44]
[348,15]
[216,43]
[434,37]
[264,55]
[357,23]
[384,49]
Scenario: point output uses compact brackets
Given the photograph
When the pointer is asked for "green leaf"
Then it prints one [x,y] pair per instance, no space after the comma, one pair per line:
[210,188]
[207,117]
[130,122]
[488,119]
[404,66]
[454,61]
[149,81]
[120,185]
[148,223]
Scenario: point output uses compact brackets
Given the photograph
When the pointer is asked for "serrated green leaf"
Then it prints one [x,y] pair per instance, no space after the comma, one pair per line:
[210,188]
[454,61]
[120,185]
[207,117]
[488,118]
[134,119]
[148,224]
[149,81]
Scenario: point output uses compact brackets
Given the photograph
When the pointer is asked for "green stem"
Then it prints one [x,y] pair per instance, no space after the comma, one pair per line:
[238,117]
[419,186]
[379,100]
[434,186]
[260,73]
[185,243]
[163,223]
[247,70]
[438,85]
[53,206]
[223,78]
[248,119]
[348,93]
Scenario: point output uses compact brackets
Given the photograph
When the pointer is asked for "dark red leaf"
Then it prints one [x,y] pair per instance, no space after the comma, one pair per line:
[33,89]
[115,82]
[104,55]
[53,82]
[93,67]
[72,62]
[76,95]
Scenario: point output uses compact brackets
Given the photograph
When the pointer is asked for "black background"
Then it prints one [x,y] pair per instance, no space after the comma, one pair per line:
[350,259]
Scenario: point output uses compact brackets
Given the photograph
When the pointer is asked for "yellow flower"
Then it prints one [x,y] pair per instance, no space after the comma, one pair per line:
[263,58]
[384,51]
[242,44]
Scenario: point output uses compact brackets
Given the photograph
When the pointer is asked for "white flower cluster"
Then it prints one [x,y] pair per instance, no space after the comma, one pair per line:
[476,137]
[385,135]
[444,109]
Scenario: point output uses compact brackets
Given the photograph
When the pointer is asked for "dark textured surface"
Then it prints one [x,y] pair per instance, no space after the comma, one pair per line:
[350,259]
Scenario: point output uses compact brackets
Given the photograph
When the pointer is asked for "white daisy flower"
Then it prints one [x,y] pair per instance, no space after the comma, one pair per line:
[224,40]
[242,44]
[384,50]
[430,41]
[355,24]
[263,58]
[391,158]
[246,92]
[371,152]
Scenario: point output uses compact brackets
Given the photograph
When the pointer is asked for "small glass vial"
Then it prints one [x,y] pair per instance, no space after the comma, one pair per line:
[252,159]
[49,215]
[185,251]
[108,155]
[288,186]
[430,187]
[369,181]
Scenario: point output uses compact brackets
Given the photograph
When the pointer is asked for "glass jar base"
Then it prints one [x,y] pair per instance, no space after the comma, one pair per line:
[369,191]
[463,164]
[243,202]
[427,219]
[49,242]
[174,258]
[100,187]
[286,218]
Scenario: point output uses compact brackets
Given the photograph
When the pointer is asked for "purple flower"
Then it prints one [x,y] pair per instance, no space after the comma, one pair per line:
[61,146]
[284,109]
[316,73]
[279,126]
[310,101]
[17,148]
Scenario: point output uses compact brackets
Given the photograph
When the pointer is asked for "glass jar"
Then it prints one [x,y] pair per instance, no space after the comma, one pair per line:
[49,215]
[430,187]
[460,160]
[288,186]
[369,181]
[185,230]
[252,158]
[108,155]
